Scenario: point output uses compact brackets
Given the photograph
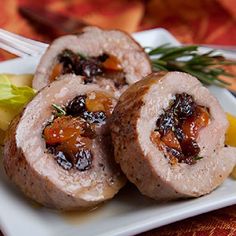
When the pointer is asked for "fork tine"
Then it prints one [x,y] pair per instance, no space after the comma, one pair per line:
[31,41]
[22,44]
[12,50]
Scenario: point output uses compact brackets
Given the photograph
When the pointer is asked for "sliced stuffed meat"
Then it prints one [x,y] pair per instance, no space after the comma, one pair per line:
[59,150]
[111,59]
[168,132]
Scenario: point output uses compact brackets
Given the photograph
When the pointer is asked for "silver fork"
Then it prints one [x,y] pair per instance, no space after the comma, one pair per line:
[21,46]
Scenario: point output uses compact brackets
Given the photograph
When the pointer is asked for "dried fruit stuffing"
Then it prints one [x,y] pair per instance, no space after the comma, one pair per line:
[69,136]
[178,127]
[104,65]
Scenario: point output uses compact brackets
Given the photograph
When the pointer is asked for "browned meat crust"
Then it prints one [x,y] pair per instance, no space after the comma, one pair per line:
[144,164]
[37,173]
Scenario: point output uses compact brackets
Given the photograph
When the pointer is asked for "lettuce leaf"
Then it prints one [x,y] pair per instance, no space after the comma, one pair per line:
[14,96]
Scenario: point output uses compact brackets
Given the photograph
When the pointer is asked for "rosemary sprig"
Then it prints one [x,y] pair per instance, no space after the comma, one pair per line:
[207,67]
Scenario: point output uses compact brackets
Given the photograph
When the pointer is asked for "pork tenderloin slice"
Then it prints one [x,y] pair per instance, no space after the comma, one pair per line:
[94,42]
[133,120]
[36,172]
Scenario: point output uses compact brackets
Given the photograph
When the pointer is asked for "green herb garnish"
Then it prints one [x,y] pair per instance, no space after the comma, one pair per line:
[14,96]
[59,110]
[196,158]
[207,67]
[82,56]
[70,54]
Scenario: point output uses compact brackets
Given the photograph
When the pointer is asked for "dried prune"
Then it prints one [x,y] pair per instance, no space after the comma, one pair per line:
[184,105]
[166,122]
[179,134]
[190,148]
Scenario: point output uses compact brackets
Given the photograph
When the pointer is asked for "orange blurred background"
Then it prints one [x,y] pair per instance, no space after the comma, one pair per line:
[201,21]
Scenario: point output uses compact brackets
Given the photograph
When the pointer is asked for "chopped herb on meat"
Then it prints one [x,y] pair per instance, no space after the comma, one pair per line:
[59,111]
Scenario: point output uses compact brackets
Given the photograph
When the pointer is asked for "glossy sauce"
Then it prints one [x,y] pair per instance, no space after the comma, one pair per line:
[79,217]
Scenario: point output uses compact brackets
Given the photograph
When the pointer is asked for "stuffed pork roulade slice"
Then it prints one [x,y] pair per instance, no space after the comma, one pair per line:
[168,132]
[59,150]
[110,58]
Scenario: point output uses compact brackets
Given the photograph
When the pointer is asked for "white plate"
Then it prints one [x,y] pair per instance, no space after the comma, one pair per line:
[129,213]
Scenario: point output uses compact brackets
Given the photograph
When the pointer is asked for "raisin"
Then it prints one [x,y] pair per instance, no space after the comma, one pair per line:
[88,68]
[76,106]
[68,60]
[84,160]
[98,117]
[103,57]
[51,149]
[62,160]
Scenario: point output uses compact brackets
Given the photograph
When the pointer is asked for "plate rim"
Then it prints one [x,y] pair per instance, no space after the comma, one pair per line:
[150,223]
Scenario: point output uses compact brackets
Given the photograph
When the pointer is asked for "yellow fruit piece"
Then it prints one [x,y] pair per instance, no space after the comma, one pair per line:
[57,70]
[99,102]
[230,137]
[6,116]
[20,80]
[112,63]
[233,174]
[7,113]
